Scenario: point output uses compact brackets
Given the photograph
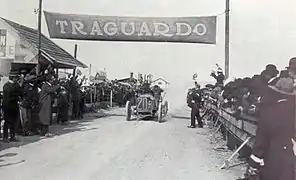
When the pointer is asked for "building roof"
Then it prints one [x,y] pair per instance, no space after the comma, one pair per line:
[127,80]
[49,49]
[161,80]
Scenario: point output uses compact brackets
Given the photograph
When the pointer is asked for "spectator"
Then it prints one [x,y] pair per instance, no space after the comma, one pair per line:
[11,95]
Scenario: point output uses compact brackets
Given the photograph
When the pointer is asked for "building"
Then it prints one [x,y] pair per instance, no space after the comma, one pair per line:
[100,77]
[18,45]
[161,83]
[19,50]
[130,80]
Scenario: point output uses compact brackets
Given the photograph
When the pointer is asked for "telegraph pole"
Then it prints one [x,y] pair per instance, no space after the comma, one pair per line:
[89,72]
[39,37]
[75,56]
[227,38]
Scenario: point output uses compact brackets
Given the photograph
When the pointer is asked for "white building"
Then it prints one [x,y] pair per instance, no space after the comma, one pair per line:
[161,83]
[19,50]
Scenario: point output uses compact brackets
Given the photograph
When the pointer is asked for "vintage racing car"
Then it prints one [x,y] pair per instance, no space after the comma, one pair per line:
[147,106]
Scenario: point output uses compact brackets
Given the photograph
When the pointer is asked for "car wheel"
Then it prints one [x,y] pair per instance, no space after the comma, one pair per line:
[128,108]
[159,112]
[166,108]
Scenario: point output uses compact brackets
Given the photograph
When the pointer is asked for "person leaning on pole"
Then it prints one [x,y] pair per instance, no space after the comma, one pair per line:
[274,152]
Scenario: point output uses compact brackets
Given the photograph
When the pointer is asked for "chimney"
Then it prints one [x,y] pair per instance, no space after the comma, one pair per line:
[131,75]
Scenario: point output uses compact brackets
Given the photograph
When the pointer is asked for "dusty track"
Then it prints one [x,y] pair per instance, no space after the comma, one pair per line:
[112,149]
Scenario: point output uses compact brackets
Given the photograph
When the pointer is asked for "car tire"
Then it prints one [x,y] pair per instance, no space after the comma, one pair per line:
[128,109]
[166,108]
[160,112]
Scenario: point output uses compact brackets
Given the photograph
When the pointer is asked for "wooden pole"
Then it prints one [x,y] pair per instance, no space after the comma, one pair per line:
[111,102]
[39,37]
[89,72]
[95,95]
[227,19]
[226,163]
[91,97]
[57,72]
[75,56]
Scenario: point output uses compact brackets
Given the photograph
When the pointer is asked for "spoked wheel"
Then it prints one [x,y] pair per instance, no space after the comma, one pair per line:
[160,113]
[128,109]
[165,108]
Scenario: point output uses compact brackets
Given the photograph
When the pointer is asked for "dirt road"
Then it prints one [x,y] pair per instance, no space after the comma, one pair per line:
[112,149]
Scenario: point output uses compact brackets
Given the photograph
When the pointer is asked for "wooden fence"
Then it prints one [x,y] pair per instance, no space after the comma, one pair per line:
[241,127]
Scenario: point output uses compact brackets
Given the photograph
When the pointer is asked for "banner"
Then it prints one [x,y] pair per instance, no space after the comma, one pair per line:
[113,28]
[3,40]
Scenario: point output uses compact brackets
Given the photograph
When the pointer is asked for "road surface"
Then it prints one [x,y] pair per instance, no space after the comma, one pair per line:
[112,149]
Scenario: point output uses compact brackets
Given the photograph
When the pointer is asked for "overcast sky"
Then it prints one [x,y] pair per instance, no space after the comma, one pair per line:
[262,31]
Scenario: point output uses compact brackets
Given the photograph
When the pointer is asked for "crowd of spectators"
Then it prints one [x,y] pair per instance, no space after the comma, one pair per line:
[243,95]
[30,103]
[270,98]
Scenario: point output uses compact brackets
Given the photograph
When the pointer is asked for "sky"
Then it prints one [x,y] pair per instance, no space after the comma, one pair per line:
[261,32]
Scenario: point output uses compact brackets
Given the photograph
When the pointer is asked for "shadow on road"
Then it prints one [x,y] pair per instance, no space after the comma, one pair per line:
[55,130]
[10,164]
[8,155]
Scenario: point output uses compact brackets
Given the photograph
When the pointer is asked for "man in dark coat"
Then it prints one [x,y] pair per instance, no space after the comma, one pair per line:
[63,105]
[157,92]
[194,102]
[27,105]
[35,108]
[219,77]
[273,154]
[82,103]
[76,95]
[11,94]
[45,101]
[145,88]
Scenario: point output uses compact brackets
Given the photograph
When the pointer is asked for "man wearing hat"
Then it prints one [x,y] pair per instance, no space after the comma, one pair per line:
[63,106]
[271,73]
[194,102]
[219,77]
[273,155]
[157,92]
[45,102]
[11,95]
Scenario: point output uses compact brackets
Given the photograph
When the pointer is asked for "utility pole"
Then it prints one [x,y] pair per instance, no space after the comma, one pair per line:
[75,56]
[39,37]
[227,38]
[89,72]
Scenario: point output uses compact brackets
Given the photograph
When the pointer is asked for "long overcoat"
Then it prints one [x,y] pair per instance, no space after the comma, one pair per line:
[45,102]
[276,128]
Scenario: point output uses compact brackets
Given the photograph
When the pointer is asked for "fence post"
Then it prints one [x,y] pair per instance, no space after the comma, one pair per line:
[95,95]
[111,95]
[91,95]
